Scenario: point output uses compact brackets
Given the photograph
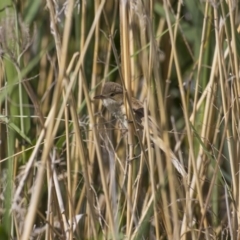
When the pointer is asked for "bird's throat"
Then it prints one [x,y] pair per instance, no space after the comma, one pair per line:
[117,110]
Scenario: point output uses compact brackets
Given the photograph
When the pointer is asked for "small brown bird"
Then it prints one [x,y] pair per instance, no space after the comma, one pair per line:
[112,97]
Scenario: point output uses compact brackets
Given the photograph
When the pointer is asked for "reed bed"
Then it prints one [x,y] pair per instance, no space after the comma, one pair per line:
[67,171]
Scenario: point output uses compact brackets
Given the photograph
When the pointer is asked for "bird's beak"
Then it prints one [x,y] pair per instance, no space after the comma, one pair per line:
[99,97]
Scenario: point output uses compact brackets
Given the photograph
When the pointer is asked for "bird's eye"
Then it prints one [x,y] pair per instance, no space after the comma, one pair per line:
[112,94]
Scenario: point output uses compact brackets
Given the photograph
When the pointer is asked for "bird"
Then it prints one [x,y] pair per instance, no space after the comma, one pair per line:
[112,98]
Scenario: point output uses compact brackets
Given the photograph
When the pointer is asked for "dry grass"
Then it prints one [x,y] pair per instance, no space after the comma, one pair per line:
[66,169]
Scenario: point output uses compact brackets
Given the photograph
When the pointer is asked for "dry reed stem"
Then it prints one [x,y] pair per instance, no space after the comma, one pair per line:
[126,72]
[151,163]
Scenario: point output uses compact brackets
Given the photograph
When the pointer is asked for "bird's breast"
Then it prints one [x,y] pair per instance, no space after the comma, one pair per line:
[117,110]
